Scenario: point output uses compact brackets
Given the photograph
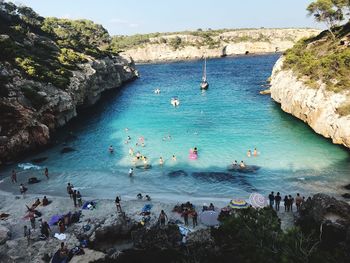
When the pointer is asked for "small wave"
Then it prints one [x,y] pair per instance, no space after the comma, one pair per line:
[28,166]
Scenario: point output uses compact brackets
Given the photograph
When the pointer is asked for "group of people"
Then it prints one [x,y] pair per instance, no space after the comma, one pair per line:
[275,200]
[75,195]
[255,153]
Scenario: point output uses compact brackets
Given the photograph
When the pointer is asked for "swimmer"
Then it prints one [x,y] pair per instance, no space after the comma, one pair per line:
[195,150]
[143,144]
[235,163]
[131,171]
[255,153]
[131,151]
[174,157]
[126,129]
[249,153]
[137,144]
[161,161]
[129,138]
[126,142]
[139,196]
[147,197]
[242,165]
[110,149]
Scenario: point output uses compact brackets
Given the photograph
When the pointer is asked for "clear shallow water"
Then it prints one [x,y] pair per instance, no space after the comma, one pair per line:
[223,122]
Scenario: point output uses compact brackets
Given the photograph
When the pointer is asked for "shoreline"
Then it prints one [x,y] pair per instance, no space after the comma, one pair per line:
[163,61]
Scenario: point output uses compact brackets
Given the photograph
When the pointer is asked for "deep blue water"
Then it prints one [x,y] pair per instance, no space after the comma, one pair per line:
[223,123]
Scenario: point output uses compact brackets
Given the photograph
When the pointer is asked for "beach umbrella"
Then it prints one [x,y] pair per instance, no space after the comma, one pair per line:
[209,218]
[238,204]
[257,200]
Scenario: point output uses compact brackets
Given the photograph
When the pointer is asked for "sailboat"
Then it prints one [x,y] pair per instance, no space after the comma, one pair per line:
[204,84]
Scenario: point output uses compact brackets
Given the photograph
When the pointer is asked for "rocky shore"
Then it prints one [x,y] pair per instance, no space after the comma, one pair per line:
[315,106]
[24,128]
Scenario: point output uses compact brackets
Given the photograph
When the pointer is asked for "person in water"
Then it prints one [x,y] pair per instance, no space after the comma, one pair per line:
[147,197]
[255,152]
[47,173]
[161,162]
[139,196]
[195,150]
[235,163]
[110,149]
[242,164]
[131,171]
[174,157]
[249,153]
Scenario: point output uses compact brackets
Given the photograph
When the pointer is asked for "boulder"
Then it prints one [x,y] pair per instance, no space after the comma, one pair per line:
[329,217]
[156,237]
[347,186]
[5,234]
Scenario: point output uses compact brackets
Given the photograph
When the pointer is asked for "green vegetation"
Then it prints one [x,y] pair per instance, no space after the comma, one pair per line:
[321,60]
[47,49]
[252,235]
[344,110]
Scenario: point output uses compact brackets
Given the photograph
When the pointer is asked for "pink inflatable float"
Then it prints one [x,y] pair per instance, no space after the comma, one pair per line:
[192,155]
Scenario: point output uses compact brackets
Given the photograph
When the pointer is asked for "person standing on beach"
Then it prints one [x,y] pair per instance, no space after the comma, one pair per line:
[286,204]
[291,201]
[80,201]
[27,233]
[162,218]
[194,218]
[277,201]
[22,189]
[32,221]
[45,229]
[47,173]
[272,199]
[14,177]
[74,195]
[298,201]
[185,215]
[117,204]
[70,190]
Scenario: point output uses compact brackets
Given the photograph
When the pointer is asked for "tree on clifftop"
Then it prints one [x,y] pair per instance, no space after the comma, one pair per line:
[327,11]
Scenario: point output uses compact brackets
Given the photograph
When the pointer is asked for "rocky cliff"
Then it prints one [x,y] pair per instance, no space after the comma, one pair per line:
[195,45]
[315,106]
[49,68]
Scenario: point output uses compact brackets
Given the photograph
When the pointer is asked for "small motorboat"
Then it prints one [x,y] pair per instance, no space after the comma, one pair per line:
[175,101]
[157,91]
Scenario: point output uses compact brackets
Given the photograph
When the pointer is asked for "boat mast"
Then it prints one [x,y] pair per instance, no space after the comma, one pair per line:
[205,70]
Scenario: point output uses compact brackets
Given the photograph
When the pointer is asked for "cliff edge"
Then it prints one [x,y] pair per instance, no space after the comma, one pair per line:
[49,68]
[311,82]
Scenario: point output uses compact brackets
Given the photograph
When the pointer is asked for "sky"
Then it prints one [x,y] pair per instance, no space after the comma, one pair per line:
[128,17]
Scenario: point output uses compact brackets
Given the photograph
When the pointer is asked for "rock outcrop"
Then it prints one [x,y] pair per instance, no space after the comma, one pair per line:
[23,127]
[328,216]
[317,107]
[235,42]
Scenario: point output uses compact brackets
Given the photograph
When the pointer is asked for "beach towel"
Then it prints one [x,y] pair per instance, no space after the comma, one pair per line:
[146,208]
[89,205]
[60,236]
[54,219]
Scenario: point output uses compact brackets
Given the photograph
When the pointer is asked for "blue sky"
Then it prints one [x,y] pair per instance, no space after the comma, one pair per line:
[127,17]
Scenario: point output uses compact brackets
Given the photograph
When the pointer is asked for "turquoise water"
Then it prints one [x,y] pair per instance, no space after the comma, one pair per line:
[223,123]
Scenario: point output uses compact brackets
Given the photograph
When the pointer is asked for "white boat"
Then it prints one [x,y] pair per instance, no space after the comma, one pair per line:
[175,102]
[204,84]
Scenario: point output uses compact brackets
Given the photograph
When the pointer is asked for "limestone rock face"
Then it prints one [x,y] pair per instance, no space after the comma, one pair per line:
[229,43]
[24,126]
[316,107]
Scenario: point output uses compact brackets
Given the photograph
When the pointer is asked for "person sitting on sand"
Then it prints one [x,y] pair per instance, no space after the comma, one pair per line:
[242,164]
[36,203]
[249,153]
[110,149]
[45,201]
[139,196]
[161,162]
[174,157]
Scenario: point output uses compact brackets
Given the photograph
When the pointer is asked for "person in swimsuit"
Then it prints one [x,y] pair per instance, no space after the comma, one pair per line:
[249,153]
[47,173]
[162,218]
[161,162]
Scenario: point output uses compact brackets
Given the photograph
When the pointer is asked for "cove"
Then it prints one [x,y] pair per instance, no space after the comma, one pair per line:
[222,122]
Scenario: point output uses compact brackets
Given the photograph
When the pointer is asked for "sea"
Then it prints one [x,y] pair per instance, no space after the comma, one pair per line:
[223,123]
